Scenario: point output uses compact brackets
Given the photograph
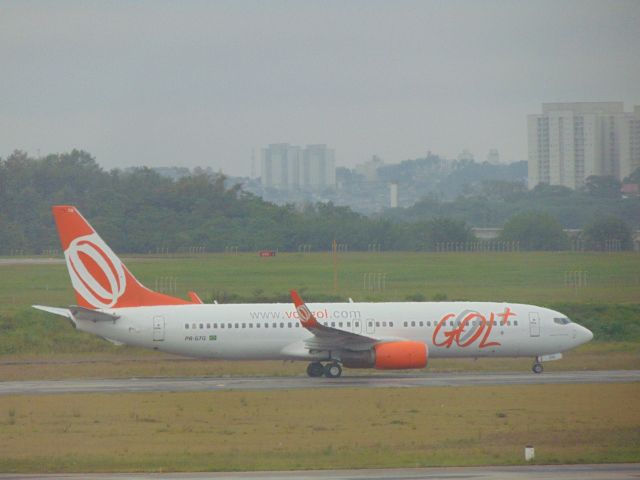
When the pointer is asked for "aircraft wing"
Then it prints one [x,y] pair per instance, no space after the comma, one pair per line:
[328,338]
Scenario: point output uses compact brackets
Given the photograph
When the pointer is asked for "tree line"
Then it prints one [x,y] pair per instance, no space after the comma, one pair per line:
[140,211]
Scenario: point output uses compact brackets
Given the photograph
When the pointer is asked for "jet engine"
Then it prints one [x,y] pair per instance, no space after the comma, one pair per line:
[388,356]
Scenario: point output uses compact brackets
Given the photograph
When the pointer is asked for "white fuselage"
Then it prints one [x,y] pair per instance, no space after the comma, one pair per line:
[273,331]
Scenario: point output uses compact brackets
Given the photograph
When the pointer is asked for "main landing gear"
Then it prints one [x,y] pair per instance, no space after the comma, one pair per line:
[330,370]
[537,367]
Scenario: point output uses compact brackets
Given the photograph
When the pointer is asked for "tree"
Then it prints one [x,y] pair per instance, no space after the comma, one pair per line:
[604,187]
[535,231]
[607,233]
[429,234]
[634,177]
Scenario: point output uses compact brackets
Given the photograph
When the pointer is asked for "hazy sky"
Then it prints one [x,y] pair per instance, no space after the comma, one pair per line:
[203,83]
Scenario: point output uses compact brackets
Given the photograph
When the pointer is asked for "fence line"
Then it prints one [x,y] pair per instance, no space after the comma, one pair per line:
[478,246]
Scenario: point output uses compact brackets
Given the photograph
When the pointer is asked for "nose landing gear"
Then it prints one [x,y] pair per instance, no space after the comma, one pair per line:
[330,370]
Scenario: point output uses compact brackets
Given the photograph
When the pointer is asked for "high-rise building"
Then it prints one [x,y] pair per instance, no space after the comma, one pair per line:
[281,166]
[493,157]
[318,170]
[572,141]
[289,167]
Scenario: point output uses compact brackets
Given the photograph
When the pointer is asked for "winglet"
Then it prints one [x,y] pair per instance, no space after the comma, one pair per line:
[195,298]
[304,314]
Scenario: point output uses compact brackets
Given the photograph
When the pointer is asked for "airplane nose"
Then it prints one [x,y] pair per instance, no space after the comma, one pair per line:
[589,334]
[586,334]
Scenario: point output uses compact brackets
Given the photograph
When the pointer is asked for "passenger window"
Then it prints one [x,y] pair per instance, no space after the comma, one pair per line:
[391,324]
[371,324]
[281,324]
[215,325]
[377,324]
[326,324]
[186,325]
[509,323]
[421,324]
[348,324]
[289,325]
[384,324]
[275,325]
[451,323]
[333,324]
[229,325]
[340,324]
[266,325]
[297,325]
[257,325]
[208,325]
[357,324]
[406,324]
[251,325]
[428,323]
[222,325]
[413,324]
[515,323]
[237,325]
[201,326]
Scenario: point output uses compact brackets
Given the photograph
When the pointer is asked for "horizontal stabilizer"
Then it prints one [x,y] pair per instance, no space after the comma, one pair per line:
[63,312]
[82,313]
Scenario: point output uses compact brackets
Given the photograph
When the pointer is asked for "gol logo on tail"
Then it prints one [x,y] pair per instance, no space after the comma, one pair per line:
[89,259]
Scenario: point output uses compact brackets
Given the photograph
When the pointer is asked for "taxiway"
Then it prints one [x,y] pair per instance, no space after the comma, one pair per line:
[198,384]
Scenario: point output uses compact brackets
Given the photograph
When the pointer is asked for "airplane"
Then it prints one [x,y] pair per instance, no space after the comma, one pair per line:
[113,304]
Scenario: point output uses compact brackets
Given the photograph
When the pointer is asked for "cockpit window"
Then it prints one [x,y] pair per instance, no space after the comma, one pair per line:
[562,321]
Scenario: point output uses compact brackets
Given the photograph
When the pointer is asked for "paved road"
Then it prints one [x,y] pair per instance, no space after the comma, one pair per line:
[560,472]
[181,384]
[31,261]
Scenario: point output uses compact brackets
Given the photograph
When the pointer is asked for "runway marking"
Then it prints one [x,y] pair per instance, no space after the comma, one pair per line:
[198,384]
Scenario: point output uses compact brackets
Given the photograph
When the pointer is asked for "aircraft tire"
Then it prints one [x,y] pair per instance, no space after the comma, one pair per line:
[332,370]
[315,369]
[537,368]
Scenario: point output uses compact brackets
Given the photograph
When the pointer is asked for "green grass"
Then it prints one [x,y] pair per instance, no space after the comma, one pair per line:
[309,429]
[528,277]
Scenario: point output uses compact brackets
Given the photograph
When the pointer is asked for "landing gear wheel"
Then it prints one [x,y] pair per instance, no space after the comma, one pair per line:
[332,370]
[315,369]
[537,368]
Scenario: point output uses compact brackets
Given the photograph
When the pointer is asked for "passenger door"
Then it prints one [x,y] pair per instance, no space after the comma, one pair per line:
[534,324]
[158,329]
[371,325]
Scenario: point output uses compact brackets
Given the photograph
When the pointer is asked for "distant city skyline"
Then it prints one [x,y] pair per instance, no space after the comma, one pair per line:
[569,142]
[206,83]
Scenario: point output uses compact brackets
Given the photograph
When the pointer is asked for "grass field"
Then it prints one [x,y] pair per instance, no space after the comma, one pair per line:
[303,429]
[527,277]
[307,429]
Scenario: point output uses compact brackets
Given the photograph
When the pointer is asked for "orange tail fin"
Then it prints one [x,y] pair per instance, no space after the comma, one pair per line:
[98,276]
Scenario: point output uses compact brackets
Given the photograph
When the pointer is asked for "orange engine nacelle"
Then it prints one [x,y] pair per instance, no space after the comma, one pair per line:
[401,355]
